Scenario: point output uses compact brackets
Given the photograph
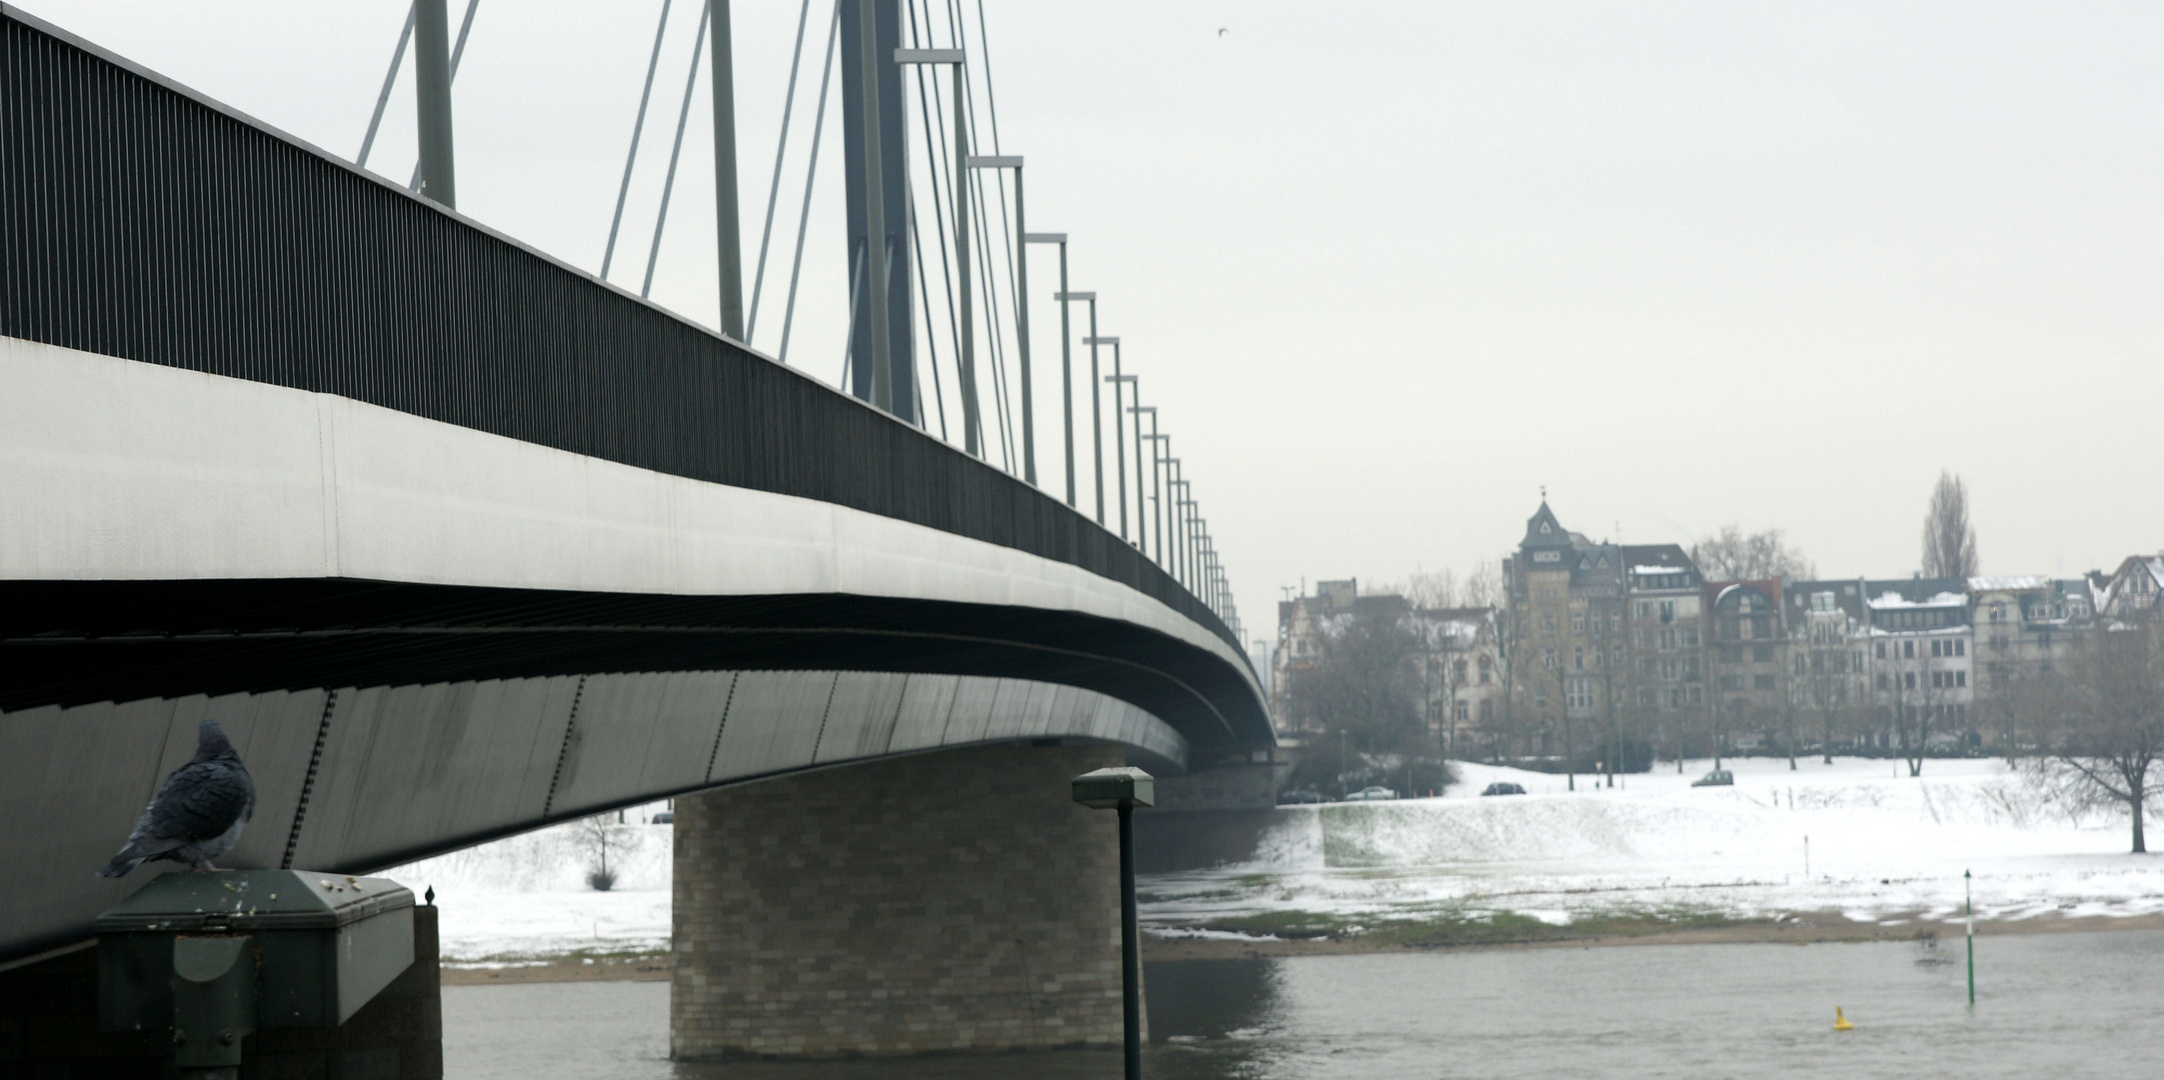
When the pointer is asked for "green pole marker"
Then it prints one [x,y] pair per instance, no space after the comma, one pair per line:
[1968,903]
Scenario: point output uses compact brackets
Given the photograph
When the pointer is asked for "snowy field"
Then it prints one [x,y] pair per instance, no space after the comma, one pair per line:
[527,897]
[1881,847]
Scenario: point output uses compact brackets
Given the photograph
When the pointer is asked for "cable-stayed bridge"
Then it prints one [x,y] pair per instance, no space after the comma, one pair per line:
[456,539]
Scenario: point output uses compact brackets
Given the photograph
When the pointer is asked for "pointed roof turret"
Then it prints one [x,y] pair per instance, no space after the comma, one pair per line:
[1543,530]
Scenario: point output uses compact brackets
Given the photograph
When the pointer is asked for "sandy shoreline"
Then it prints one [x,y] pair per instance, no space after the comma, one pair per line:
[1824,927]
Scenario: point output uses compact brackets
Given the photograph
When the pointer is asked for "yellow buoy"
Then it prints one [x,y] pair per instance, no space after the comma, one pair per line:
[1840,1021]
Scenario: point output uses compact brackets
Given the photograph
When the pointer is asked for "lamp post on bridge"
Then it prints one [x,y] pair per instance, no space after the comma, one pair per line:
[1124,789]
[1097,418]
[1021,310]
[964,321]
[1134,387]
[1158,449]
[1066,358]
[1119,429]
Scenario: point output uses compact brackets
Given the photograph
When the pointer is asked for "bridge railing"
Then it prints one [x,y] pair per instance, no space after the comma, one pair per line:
[141,220]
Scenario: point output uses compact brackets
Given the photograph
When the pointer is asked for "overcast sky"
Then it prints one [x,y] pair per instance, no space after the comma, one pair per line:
[1389,268]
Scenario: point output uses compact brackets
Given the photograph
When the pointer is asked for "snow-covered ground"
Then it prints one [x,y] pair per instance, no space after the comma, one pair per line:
[1881,846]
[527,897]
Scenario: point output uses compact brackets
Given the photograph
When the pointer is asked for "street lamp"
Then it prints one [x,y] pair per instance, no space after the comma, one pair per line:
[1134,386]
[1097,416]
[1157,484]
[1066,359]
[1124,789]
[1119,447]
[963,322]
[1021,310]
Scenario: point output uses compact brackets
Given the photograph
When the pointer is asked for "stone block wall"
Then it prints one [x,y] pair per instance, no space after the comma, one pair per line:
[957,901]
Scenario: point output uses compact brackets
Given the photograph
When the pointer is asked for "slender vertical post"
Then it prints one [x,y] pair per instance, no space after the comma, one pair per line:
[875,213]
[1021,328]
[1119,432]
[432,95]
[728,241]
[1066,372]
[967,330]
[1130,946]
[1142,540]
[1097,413]
[1968,907]
[1159,444]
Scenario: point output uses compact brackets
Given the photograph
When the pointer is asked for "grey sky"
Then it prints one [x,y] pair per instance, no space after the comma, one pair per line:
[1390,267]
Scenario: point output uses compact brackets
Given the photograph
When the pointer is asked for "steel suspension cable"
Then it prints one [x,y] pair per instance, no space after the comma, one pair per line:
[638,125]
[773,190]
[937,166]
[383,98]
[668,183]
[916,243]
[811,172]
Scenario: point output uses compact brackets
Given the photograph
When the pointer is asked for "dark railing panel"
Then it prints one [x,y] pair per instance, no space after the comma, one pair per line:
[138,220]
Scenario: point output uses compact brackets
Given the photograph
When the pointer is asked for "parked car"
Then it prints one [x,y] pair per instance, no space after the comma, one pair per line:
[1503,788]
[1716,778]
[1299,798]
[1371,794]
[666,817]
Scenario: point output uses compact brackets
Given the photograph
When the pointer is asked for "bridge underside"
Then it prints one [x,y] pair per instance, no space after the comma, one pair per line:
[356,779]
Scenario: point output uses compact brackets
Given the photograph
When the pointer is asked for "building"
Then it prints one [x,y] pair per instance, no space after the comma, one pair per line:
[1921,656]
[1664,638]
[1566,638]
[1829,671]
[1748,630]
[1457,654]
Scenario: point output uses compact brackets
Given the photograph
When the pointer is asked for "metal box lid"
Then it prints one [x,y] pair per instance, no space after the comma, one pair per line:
[245,900]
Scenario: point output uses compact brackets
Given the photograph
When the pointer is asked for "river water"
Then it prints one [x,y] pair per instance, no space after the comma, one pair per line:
[2066,1006]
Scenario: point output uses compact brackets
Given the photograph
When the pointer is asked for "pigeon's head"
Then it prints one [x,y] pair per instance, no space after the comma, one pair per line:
[211,743]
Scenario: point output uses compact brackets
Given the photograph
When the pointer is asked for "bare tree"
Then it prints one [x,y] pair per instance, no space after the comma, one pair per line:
[1430,590]
[1949,538]
[2099,726]
[1733,555]
[1482,586]
[1365,691]
[596,835]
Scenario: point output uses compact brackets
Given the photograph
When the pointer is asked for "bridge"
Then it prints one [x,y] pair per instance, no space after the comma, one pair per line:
[457,540]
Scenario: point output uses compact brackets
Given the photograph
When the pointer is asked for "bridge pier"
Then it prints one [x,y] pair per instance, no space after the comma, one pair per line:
[945,902]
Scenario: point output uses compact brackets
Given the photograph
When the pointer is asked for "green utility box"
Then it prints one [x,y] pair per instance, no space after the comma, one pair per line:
[324,944]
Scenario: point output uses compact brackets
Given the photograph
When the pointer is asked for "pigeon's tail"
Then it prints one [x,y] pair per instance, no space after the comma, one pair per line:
[138,852]
[121,864]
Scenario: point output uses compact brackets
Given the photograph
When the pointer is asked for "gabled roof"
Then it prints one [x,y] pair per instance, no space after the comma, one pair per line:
[1543,530]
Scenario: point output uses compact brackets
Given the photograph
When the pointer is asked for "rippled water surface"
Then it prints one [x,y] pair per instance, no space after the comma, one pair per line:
[2058,1005]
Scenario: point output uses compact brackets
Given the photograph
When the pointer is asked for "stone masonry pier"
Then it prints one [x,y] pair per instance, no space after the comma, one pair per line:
[947,902]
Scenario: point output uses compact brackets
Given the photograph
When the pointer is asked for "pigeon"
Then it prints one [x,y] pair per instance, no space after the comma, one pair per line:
[198,812]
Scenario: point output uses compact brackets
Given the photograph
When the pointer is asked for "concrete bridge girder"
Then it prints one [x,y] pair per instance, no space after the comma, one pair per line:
[354,780]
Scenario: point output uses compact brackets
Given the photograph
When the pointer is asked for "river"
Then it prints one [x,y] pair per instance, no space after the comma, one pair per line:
[2067,1006]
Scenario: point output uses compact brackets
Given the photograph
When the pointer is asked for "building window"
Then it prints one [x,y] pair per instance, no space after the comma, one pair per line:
[1486,670]
[1547,622]
[1731,654]
[1668,611]
[1547,660]
[1697,696]
[1882,680]
[1615,622]
[1908,650]
[1731,682]
[1464,711]
[1908,680]
[1577,658]
[1690,637]
[1761,654]
[1882,650]
[1577,622]
[1961,648]
[1961,678]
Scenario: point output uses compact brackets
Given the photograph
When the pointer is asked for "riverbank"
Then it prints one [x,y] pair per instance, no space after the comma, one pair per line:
[1249,939]
[1442,935]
